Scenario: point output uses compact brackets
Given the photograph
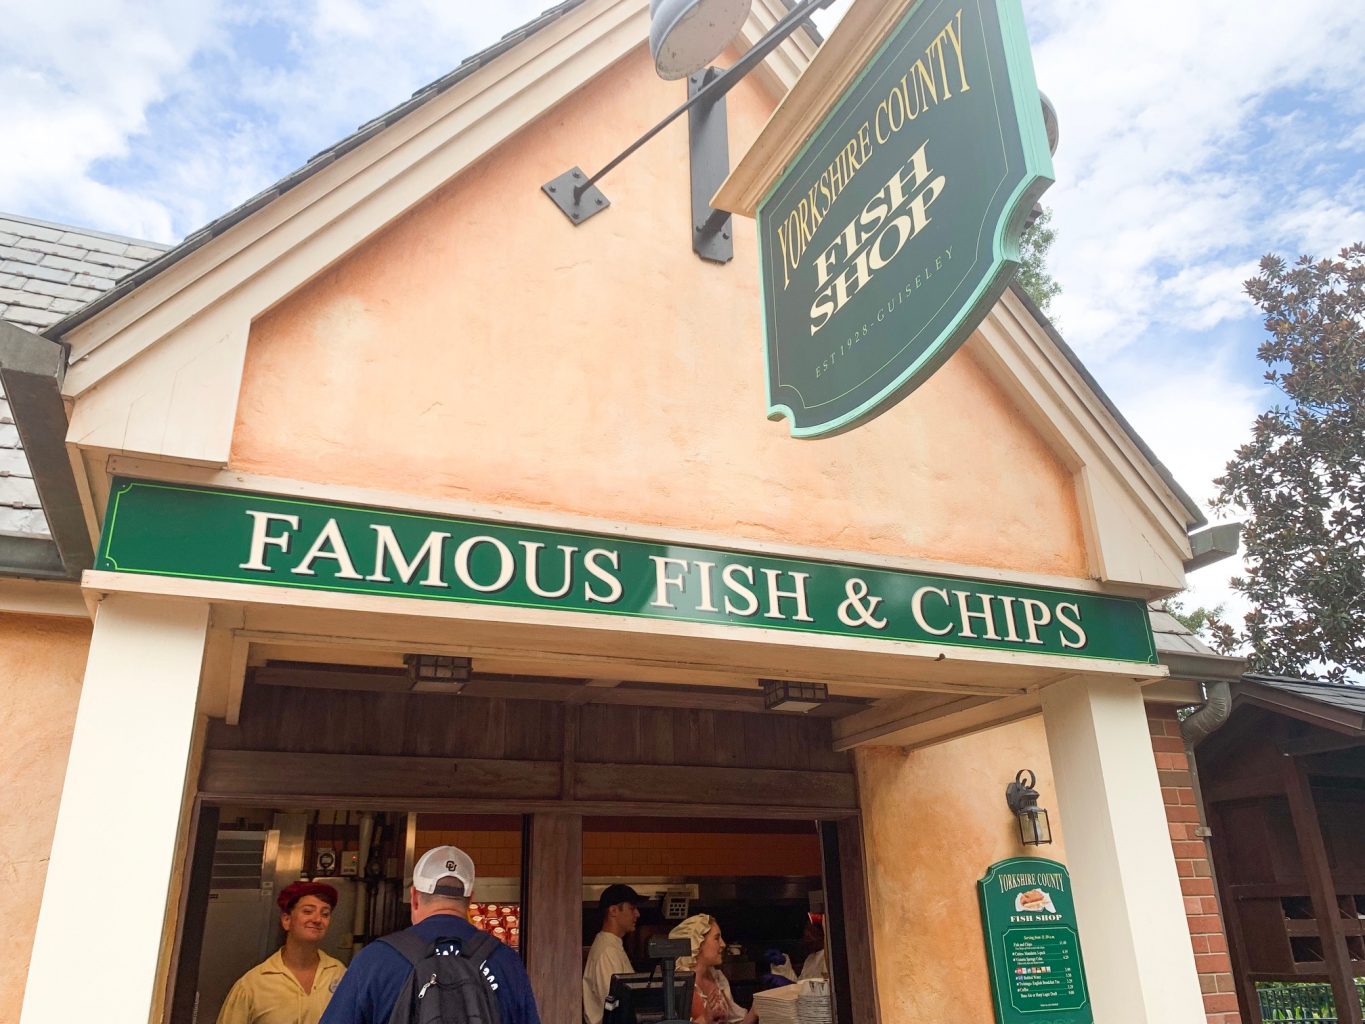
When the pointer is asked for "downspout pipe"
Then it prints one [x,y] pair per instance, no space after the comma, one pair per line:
[1210,715]
[1207,719]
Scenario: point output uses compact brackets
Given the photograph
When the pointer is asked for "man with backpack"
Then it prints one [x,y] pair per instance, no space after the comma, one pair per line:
[442,970]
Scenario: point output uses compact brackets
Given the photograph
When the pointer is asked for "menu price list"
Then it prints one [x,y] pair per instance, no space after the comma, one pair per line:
[1044,969]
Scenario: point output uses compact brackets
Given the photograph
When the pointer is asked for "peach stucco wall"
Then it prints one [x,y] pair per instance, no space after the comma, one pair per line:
[933,821]
[42,661]
[483,349]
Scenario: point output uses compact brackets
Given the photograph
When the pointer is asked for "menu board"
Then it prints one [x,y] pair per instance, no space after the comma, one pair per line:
[1033,950]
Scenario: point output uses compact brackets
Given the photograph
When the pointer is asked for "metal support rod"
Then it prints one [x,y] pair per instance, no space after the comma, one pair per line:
[670,1011]
[720,85]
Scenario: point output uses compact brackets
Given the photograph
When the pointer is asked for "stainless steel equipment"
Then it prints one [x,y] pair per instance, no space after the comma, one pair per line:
[239,918]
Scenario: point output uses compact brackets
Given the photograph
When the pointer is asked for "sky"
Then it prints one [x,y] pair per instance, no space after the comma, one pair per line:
[1194,138]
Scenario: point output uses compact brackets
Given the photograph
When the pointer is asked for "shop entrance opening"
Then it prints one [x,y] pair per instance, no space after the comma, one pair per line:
[750,816]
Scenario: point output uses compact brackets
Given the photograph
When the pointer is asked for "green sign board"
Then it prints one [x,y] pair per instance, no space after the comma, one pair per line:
[896,228]
[197,532]
[1033,949]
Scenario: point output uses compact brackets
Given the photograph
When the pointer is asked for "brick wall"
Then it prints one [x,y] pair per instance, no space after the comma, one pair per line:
[1192,861]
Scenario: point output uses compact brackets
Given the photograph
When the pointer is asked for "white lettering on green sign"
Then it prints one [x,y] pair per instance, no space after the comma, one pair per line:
[178,530]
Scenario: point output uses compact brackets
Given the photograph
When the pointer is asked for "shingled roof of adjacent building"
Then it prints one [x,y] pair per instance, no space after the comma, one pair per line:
[1343,696]
[47,272]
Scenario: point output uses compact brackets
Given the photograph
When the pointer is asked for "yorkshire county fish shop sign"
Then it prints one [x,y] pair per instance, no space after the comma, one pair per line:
[890,236]
[1033,949]
[202,533]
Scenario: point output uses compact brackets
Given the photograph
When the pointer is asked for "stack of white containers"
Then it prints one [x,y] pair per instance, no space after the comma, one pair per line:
[813,1003]
[777,1005]
[806,1002]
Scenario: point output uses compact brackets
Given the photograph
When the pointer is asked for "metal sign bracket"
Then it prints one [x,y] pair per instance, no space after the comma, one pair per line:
[709,153]
[574,201]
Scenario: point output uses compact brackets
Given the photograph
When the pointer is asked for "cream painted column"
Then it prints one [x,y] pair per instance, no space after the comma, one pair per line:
[1134,935]
[99,936]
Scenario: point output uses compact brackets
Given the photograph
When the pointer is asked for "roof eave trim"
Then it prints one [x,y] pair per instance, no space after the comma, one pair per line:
[1197,518]
[31,369]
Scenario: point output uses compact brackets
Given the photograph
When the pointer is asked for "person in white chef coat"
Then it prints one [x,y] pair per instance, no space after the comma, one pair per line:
[620,910]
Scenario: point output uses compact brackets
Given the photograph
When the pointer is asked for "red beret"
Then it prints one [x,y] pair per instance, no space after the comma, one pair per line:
[296,891]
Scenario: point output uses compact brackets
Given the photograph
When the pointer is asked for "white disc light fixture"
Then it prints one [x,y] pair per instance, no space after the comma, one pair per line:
[687,35]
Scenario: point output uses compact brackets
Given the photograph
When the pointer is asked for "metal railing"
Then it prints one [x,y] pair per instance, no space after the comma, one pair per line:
[1301,1002]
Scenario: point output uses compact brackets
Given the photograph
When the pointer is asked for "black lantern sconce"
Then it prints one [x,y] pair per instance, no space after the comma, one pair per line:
[1022,798]
[781,695]
[437,673]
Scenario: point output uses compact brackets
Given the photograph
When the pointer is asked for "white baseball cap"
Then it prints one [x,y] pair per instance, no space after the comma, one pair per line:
[441,863]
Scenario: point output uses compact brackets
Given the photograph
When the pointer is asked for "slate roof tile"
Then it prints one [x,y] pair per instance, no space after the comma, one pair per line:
[47,272]
[25,228]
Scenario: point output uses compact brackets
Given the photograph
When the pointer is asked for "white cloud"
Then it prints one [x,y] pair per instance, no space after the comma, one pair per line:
[1174,167]
[150,119]
[78,79]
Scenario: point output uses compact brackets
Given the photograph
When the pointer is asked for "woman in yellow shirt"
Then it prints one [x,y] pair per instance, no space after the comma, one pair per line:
[294,985]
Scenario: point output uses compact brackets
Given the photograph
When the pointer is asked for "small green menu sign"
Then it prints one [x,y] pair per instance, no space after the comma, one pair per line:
[1033,950]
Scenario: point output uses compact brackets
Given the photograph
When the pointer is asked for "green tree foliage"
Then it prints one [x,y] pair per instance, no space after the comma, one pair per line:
[1034,277]
[1198,620]
[1300,480]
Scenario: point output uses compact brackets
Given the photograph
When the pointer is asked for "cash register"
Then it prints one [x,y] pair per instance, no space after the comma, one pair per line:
[643,998]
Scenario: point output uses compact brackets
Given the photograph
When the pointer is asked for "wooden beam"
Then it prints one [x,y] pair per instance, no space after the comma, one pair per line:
[1322,888]
[1319,744]
[347,776]
[301,801]
[853,923]
[1324,716]
[898,713]
[1338,764]
[553,920]
[343,677]
[187,947]
[354,677]
[432,783]
[571,730]
[1244,788]
[937,724]
[1247,999]
[737,787]
[236,679]
[213,676]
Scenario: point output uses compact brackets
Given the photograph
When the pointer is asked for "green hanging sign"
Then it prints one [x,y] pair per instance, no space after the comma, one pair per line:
[895,230]
[163,529]
[1033,949]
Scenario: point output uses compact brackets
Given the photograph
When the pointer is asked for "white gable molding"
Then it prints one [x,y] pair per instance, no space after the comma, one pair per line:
[1135,526]
[784,65]
[182,404]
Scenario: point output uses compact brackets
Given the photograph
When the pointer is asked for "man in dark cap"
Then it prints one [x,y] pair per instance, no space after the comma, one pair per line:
[294,985]
[619,906]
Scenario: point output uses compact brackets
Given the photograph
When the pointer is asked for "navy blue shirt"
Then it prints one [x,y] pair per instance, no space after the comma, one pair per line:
[376,975]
